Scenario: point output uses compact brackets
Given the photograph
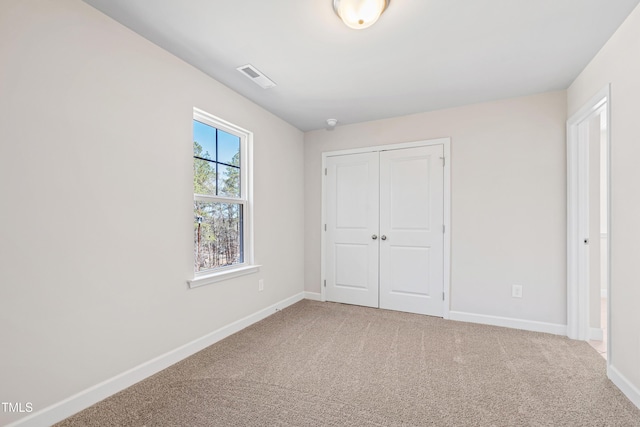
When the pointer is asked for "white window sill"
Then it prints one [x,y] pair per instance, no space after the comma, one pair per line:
[224,274]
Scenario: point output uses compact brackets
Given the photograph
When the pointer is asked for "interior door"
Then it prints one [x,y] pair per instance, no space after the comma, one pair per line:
[351,262]
[411,230]
[385,236]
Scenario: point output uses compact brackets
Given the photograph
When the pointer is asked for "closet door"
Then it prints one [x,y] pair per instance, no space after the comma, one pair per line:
[352,200]
[411,230]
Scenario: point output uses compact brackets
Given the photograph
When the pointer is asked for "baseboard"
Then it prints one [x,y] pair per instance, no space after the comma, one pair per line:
[313,296]
[76,403]
[629,390]
[508,322]
[596,334]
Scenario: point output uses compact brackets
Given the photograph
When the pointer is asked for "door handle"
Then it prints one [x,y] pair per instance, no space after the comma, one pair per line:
[383,237]
[374,237]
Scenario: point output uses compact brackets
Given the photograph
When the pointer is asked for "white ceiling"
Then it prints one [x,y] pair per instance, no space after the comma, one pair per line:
[422,55]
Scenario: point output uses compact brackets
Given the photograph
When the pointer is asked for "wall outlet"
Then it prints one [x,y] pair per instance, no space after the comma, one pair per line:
[516,291]
[261,285]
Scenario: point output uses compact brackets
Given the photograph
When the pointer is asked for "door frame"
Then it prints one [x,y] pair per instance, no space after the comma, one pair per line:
[577,218]
[446,145]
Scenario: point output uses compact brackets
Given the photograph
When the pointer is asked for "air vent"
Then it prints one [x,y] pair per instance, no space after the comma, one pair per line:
[256,76]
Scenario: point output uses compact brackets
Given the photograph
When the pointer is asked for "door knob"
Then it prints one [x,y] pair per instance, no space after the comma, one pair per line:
[374,237]
[383,237]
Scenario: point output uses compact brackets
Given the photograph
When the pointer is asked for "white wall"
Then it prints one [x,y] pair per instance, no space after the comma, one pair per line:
[96,192]
[508,200]
[618,63]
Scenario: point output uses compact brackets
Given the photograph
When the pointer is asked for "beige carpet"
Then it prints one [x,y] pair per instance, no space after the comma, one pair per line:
[327,364]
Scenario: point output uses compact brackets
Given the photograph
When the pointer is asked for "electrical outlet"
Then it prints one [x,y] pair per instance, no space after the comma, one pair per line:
[516,291]
[261,285]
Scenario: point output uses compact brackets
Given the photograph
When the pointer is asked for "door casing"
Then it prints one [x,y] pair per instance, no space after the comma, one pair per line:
[577,219]
[446,144]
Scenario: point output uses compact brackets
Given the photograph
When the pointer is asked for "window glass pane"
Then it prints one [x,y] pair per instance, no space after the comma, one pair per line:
[217,235]
[228,148]
[228,181]
[204,177]
[204,141]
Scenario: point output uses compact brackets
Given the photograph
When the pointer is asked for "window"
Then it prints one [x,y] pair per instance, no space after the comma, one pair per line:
[221,200]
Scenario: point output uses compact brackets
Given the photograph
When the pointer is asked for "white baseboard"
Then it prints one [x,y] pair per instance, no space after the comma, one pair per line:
[314,296]
[629,390]
[508,322]
[596,334]
[76,403]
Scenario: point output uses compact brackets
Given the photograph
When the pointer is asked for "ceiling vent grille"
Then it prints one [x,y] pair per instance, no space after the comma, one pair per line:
[253,74]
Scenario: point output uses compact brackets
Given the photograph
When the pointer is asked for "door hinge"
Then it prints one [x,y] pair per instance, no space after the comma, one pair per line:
[442,296]
[325,283]
[325,171]
[443,161]
[443,229]
[325,227]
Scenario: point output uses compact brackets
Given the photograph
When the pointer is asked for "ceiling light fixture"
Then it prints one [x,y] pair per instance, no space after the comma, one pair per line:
[359,14]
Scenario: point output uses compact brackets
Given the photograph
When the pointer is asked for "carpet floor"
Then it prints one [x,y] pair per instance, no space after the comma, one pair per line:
[328,364]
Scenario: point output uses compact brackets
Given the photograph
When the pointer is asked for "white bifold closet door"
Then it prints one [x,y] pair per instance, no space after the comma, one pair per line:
[385,237]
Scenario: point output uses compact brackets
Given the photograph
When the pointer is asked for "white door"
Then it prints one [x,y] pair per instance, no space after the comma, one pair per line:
[352,222]
[384,241]
[411,230]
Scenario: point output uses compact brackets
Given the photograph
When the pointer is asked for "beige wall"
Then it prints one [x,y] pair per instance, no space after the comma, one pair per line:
[508,200]
[96,216]
[618,63]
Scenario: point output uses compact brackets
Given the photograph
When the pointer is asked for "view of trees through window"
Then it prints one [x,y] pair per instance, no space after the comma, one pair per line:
[216,182]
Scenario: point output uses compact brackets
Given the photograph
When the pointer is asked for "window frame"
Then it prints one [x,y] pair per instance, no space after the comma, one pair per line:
[201,278]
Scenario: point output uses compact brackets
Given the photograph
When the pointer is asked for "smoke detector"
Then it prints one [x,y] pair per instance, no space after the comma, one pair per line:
[332,122]
[256,76]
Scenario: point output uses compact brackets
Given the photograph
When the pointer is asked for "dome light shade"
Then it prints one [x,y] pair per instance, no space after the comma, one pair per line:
[359,14]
